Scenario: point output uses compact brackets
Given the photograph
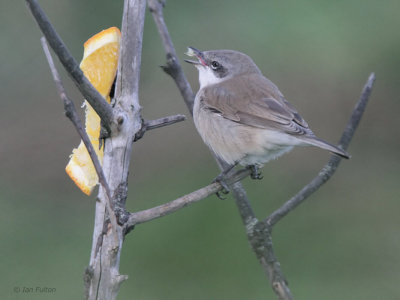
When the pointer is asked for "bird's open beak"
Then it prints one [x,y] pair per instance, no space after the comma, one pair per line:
[196,53]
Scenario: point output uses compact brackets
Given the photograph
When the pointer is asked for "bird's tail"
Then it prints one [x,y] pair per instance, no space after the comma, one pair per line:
[327,146]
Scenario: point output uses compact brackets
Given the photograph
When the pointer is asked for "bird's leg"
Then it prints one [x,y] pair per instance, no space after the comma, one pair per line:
[255,172]
[221,180]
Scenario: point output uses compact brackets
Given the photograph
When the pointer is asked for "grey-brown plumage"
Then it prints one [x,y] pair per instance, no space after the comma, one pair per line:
[241,115]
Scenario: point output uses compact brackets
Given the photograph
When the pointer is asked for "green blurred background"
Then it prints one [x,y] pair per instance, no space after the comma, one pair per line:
[343,243]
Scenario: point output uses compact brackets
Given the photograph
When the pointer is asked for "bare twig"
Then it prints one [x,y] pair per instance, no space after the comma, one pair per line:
[99,104]
[153,124]
[329,169]
[173,206]
[173,67]
[170,207]
[71,113]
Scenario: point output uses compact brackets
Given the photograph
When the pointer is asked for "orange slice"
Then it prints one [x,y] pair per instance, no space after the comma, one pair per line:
[99,64]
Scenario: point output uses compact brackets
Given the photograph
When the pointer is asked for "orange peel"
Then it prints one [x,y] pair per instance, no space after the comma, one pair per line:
[99,64]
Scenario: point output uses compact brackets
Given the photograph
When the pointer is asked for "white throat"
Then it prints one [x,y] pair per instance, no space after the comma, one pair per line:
[207,77]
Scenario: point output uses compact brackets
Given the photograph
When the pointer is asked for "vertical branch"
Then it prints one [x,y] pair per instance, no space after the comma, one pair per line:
[102,278]
[254,235]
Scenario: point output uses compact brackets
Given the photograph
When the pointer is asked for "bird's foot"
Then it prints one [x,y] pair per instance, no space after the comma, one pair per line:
[225,189]
[255,172]
[221,179]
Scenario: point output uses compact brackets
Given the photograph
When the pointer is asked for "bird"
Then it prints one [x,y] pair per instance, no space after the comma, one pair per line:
[242,116]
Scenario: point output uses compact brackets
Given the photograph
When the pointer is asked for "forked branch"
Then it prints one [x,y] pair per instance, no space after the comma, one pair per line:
[329,169]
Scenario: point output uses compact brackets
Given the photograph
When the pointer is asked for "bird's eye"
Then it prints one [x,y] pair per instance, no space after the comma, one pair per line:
[215,65]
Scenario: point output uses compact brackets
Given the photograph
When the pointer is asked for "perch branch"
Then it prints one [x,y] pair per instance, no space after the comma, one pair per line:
[99,104]
[254,235]
[153,124]
[329,169]
[175,205]
[71,113]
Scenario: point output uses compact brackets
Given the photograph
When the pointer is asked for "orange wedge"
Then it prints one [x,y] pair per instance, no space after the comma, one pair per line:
[99,64]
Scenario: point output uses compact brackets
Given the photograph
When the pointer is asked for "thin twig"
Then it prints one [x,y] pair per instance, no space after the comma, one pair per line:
[329,169]
[172,206]
[71,113]
[99,104]
[175,205]
[357,113]
[161,122]
[173,67]
[158,123]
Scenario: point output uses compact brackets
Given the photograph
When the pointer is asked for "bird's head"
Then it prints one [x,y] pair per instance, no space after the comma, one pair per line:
[218,65]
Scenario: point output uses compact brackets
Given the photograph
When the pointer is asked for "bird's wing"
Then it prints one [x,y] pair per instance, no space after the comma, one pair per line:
[254,101]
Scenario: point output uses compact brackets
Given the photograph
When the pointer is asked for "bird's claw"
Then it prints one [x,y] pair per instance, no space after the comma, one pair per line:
[255,172]
[225,189]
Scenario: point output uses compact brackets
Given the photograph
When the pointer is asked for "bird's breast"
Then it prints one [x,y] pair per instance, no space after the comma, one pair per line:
[229,140]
